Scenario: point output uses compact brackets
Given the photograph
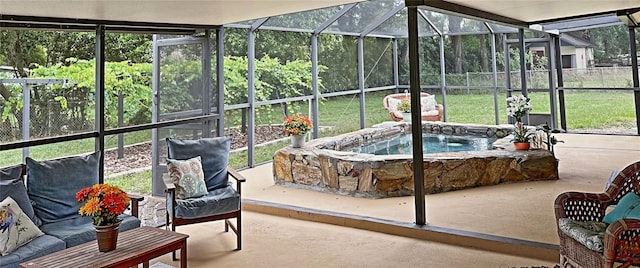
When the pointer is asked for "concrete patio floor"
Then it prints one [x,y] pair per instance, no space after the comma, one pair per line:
[508,225]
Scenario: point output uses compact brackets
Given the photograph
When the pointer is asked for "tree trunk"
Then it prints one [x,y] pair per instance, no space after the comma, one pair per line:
[456,41]
[484,54]
[4,92]
[457,44]
[500,50]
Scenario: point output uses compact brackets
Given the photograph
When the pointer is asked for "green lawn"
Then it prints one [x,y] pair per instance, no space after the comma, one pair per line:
[591,109]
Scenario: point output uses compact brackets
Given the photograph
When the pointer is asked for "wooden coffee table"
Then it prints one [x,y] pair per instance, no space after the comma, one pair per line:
[134,246]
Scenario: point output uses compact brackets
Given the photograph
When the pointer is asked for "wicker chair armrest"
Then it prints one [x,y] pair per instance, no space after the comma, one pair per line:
[135,199]
[581,206]
[394,117]
[440,109]
[622,238]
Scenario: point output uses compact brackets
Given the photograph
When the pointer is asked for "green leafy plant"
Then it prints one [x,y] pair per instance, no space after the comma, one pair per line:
[76,96]
[521,133]
[404,106]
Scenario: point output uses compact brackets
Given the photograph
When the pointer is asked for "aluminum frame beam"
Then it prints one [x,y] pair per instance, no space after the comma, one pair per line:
[100,97]
[634,71]
[220,79]
[315,102]
[361,81]
[416,119]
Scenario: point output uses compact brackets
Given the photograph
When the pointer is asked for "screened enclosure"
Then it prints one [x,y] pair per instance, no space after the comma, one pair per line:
[334,64]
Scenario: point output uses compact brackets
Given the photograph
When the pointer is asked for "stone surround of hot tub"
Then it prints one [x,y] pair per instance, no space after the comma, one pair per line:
[321,165]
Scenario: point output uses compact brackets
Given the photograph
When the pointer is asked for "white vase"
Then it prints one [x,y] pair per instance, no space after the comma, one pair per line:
[406,117]
[297,141]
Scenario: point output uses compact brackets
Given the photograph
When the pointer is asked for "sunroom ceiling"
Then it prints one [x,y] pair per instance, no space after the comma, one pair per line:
[193,12]
[532,11]
[220,12]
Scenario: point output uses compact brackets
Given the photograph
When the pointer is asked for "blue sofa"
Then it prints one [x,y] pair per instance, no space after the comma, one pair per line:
[48,200]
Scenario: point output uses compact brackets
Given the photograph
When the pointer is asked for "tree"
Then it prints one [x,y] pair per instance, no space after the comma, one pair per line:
[611,42]
[26,50]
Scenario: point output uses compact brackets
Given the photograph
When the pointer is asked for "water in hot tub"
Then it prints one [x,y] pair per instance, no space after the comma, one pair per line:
[431,143]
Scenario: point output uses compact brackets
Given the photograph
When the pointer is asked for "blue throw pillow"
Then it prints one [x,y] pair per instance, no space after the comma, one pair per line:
[52,185]
[628,207]
[213,152]
[12,184]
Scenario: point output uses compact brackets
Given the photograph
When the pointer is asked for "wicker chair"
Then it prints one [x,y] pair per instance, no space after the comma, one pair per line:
[395,116]
[622,237]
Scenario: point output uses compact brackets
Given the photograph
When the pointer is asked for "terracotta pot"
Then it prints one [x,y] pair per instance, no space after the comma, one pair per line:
[107,237]
[297,141]
[521,145]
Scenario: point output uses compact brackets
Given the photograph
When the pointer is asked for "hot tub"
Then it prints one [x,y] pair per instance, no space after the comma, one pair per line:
[431,143]
[330,164]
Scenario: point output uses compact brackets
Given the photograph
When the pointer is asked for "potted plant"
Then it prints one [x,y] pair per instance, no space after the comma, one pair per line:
[521,136]
[104,203]
[517,107]
[405,108]
[296,126]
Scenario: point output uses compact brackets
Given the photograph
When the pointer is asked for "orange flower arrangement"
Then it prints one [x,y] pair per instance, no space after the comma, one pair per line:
[104,203]
[297,124]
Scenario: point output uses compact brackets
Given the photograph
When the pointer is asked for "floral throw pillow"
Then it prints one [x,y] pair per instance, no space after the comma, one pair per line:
[428,103]
[16,229]
[188,177]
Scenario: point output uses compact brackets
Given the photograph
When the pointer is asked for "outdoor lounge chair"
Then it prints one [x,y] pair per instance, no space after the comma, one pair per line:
[621,238]
[430,110]
[220,200]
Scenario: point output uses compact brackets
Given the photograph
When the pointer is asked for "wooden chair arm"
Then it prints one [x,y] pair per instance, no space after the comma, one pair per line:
[622,242]
[234,174]
[581,206]
[238,177]
[169,187]
[135,199]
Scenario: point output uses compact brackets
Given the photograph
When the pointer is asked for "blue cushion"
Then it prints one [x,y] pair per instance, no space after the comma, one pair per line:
[41,246]
[52,185]
[12,184]
[628,207]
[216,202]
[10,173]
[214,154]
[80,230]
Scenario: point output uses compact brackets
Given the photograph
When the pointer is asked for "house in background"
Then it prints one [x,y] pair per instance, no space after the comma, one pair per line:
[577,52]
